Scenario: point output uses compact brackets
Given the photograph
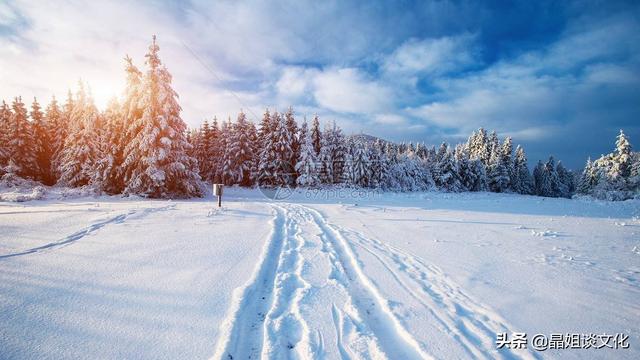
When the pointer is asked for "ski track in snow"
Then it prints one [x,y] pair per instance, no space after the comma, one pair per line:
[270,318]
[118,219]
[284,310]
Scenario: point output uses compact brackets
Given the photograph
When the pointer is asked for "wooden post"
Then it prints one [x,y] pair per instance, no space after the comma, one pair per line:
[217,191]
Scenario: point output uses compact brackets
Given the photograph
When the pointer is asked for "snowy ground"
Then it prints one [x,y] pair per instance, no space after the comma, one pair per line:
[396,276]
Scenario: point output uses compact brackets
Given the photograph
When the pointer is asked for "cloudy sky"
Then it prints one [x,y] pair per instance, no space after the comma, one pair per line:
[559,77]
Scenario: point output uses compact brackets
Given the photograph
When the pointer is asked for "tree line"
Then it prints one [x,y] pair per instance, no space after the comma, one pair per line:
[140,145]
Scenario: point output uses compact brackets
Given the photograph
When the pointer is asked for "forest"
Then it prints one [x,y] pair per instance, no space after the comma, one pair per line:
[140,145]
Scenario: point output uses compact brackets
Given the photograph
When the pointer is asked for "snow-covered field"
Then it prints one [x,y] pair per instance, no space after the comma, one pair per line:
[331,275]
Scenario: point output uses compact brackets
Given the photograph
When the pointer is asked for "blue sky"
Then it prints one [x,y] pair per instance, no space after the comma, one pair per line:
[559,77]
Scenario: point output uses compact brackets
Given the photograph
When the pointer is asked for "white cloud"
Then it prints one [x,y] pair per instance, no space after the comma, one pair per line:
[348,90]
[433,56]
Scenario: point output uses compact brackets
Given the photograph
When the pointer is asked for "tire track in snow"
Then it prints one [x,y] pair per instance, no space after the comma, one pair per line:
[473,325]
[86,231]
[242,332]
[393,339]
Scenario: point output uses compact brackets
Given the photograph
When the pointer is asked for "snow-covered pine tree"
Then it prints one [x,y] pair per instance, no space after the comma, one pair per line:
[332,154]
[55,130]
[22,150]
[214,151]
[521,182]
[227,174]
[80,152]
[588,179]
[375,165]
[266,155]
[565,181]
[506,158]
[348,171]
[554,180]
[468,178]
[59,135]
[479,147]
[5,118]
[156,155]
[541,182]
[447,173]
[242,152]
[42,144]
[107,175]
[497,172]
[324,158]
[316,135]
[202,148]
[284,174]
[634,175]
[292,129]
[307,166]
[620,168]
[360,165]
[302,132]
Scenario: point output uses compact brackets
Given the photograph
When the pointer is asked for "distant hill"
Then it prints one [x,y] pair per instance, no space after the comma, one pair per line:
[366,138]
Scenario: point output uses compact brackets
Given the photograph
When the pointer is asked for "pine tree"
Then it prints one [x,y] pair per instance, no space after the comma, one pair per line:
[469,179]
[5,128]
[479,147]
[359,165]
[59,135]
[284,174]
[267,154]
[227,175]
[307,165]
[588,179]
[55,122]
[22,150]
[156,159]
[565,181]
[80,152]
[316,135]
[42,144]
[242,152]
[506,154]
[521,182]
[107,176]
[446,177]
[292,129]
[498,172]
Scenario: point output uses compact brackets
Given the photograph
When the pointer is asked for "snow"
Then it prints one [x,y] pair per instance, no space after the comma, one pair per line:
[340,274]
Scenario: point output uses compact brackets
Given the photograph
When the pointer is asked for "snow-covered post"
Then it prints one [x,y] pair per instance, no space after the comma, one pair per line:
[217,191]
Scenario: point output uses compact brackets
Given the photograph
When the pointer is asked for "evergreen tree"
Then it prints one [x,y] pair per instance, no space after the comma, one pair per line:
[359,165]
[521,181]
[506,152]
[565,181]
[307,165]
[55,130]
[5,130]
[267,154]
[316,135]
[242,152]
[292,129]
[59,135]
[498,175]
[22,150]
[446,177]
[588,179]
[42,143]
[80,153]
[156,159]
[284,174]
[107,176]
